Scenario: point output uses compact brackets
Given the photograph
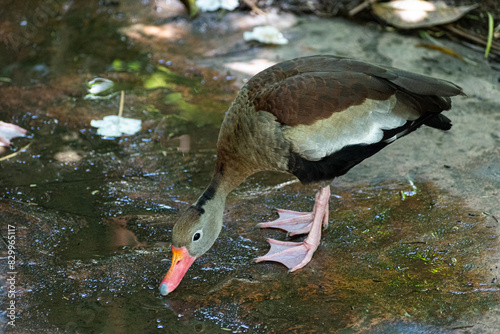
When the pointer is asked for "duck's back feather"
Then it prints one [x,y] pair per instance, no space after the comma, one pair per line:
[330,113]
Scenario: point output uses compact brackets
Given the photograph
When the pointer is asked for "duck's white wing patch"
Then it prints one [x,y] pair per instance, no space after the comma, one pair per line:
[361,124]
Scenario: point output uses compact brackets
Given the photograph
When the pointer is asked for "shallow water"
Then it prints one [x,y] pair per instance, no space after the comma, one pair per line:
[93,216]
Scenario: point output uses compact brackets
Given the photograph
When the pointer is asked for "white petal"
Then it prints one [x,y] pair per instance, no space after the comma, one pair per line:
[265,34]
[208,5]
[115,126]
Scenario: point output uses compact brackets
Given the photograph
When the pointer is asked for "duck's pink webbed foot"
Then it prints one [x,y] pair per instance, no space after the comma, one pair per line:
[293,222]
[9,131]
[296,255]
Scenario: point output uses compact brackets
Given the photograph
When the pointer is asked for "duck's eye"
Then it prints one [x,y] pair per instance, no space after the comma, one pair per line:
[197,235]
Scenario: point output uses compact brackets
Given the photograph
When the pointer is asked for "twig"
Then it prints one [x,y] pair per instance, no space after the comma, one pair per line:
[442,50]
[16,153]
[469,36]
[122,101]
[120,109]
[361,6]
[254,7]
[462,327]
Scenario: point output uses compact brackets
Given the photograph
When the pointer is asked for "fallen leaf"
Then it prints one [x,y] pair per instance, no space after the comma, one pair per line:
[100,88]
[441,49]
[411,14]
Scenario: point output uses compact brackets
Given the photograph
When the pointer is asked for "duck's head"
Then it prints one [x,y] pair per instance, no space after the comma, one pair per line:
[194,233]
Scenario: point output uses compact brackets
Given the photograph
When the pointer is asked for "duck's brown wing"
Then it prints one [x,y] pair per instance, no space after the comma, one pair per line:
[336,112]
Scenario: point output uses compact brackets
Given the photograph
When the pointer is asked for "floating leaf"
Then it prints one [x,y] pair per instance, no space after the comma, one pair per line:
[174,98]
[117,65]
[266,35]
[159,80]
[155,80]
[100,88]
[410,14]
[99,85]
[134,66]
[115,126]
[191,112]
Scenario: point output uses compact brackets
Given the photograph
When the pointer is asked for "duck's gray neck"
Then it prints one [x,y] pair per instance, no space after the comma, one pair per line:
[213,197]
[210,205]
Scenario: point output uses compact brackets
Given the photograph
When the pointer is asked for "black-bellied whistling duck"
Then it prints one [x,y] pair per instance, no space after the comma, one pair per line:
[314,117]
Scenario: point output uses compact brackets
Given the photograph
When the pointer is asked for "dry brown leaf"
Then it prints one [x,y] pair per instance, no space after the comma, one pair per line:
[442,50]
[411,14]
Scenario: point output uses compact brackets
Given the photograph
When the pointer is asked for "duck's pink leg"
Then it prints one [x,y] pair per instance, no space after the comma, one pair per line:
[296,255]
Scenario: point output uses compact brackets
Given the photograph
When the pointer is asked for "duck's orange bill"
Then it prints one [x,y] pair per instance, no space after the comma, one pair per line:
[181,261]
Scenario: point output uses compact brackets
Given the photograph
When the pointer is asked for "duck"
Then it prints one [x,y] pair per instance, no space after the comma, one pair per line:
[315,118]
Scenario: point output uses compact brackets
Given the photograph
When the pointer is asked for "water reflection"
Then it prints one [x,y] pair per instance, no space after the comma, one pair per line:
[184,143]
[121,237]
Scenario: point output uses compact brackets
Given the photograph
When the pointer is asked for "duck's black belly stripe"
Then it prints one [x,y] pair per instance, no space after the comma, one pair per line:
[331,166]
[342,161]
